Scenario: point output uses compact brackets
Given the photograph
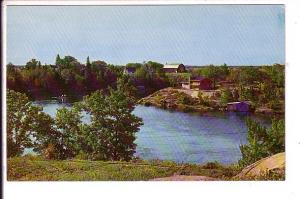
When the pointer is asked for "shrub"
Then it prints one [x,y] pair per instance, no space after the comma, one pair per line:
[262,142]
[203,100]
[226,96]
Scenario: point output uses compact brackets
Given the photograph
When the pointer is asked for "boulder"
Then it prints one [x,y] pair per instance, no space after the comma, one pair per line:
[274,163]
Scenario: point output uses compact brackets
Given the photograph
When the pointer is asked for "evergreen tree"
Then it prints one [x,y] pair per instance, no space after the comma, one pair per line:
[58,60]
[88,64]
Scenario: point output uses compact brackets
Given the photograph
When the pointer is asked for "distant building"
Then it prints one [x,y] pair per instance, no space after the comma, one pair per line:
[199,83]
[129,70]
[174,68]
[238,106]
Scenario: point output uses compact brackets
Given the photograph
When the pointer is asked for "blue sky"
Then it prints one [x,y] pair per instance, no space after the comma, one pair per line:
[193,35]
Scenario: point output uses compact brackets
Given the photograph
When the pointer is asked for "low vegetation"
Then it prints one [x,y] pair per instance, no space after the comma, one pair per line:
[36,168]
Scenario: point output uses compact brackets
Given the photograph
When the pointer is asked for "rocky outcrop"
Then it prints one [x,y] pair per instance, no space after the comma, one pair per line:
[274,165]
[174,99]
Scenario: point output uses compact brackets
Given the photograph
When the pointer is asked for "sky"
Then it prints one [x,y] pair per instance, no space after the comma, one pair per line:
[188,34]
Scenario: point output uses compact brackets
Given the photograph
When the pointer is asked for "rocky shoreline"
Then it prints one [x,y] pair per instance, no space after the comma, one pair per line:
[179,100]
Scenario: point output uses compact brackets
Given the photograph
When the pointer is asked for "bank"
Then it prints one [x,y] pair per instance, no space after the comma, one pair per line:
[197,101]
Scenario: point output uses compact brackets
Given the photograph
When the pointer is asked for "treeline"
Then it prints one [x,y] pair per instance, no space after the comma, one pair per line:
[69,76]
[263,85]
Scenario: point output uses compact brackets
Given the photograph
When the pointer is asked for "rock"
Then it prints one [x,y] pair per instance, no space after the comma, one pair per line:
[274,163]
[264,110]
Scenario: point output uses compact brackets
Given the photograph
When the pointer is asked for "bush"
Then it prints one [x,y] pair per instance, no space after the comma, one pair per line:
[203,100]
[262,142]
[184,99]
[226,96]
[212,165]
[81,156]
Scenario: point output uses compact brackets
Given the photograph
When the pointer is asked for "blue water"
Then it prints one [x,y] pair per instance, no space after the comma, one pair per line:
[185,137]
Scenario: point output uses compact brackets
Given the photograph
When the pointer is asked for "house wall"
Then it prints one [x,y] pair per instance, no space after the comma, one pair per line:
[241,107]
[206,84]
[170,70]
[185,86]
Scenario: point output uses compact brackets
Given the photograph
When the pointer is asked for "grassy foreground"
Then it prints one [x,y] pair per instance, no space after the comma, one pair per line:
[33,168]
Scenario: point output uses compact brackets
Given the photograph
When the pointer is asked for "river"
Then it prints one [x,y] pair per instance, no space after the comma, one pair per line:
[185,137]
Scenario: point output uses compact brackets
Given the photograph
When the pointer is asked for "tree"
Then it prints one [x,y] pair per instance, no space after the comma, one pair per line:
[156,67]
[57,60]
[111,133]
[211,72]
[262,142]
[65,138]
[24,123]
[226,96]
[224,71]
[88,63]
[98,65]
[32,64]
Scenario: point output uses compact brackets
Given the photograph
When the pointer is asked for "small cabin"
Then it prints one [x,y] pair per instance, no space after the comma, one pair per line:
[238,106]
[201,83]
[129,70]
[174,68]
[198,83]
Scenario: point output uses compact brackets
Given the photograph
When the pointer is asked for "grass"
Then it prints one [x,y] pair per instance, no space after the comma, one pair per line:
[35,168]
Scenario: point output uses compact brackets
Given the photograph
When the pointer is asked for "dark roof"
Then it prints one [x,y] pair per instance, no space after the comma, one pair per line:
[130,69]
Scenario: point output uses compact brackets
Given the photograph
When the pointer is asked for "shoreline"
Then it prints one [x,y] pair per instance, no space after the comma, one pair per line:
[171,103]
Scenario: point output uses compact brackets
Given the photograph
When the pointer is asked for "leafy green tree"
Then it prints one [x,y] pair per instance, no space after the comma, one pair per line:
[99,65]
[111,133]
[33,63]
[276,73]
[262,142]
[24,123]
[211,72]
[156,67]
[223,71]
[68,136]
[226,96]
[125,83]
[142,73]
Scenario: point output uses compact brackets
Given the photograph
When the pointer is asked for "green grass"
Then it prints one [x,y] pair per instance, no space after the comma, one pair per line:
[37,169]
